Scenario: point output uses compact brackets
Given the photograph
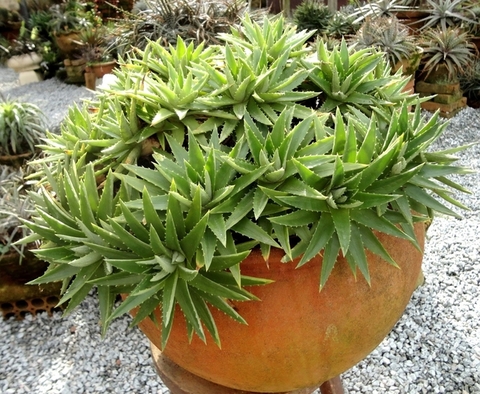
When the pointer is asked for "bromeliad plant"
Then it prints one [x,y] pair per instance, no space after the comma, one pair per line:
[447,54]
[162,186]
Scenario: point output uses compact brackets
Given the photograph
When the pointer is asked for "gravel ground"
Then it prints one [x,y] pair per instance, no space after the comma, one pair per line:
[434,348]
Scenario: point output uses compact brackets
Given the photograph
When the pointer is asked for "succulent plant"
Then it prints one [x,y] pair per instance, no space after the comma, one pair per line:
[354,80]
[313,15]
[447,13]
[379,8]
[15,206]
[22,126]
[193,21]
[470,84]
[341,25]
[238,158]
[388,35]
[446,48]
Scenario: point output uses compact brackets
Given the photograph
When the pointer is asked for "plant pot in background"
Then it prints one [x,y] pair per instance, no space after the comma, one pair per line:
[410,65]
[412,18]
[18,298]
[27,67]
[67,42]
[100,69]
[75,70]
[296,336]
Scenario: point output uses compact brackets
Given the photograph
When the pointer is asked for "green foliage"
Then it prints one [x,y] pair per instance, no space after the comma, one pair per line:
[22,126]
[312,15]
[448,48]
[165,21]
[470,83]
[15,206]
[193,156]
[388,35]
[472,26]
[357,80]
[340,25]
[376,9]
[448,13]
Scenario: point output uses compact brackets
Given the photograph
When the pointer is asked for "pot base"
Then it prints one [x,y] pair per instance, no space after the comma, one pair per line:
[180,381]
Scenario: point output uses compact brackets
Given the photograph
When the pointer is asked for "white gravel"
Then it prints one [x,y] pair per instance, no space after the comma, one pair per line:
[434,348]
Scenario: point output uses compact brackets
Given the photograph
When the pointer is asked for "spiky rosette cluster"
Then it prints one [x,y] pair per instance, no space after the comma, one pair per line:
[238,160]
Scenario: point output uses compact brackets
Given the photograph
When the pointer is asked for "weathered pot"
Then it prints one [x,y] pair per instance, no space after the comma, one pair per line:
[75,70]
[68,42]
[296,336]
[100,69]
[440,75]
[410,65]
[27,62]
[16,272]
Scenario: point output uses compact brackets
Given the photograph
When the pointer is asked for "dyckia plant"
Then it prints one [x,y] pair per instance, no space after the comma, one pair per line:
[239,158]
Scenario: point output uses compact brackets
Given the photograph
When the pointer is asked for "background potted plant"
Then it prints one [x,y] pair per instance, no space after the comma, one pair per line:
[22,127]
[97,51]
[67,20]
[24,55]
[447,13]
[313,15]
[202,174]
[165,21]
[17,264]
[447,54]
[394,39]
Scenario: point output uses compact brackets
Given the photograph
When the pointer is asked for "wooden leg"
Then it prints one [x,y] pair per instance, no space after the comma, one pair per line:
[333,386]
[180,381]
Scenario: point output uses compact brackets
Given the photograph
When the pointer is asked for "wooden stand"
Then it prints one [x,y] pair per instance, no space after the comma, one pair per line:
[180,381]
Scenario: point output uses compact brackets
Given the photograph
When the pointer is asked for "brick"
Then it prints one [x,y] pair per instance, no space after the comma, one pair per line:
[446,110]
[447,98]
[410,86]
[450,114]
[432,88]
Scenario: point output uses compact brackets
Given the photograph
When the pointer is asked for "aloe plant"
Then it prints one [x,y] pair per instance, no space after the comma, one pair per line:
[313,15]
[388,35]
[15,205]
[22,126]
[357,79]
[241,159]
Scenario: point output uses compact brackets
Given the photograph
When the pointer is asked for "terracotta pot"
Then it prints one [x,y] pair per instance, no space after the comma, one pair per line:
[100,69]
[296,336]
[410,65]
[67,42]
[412,18]
[440,75]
